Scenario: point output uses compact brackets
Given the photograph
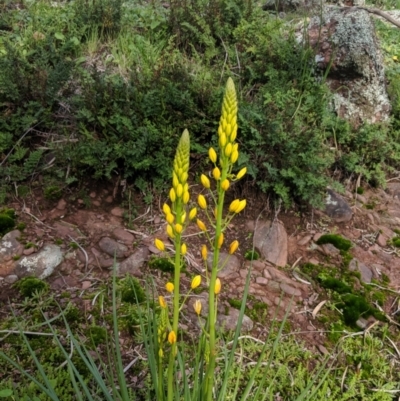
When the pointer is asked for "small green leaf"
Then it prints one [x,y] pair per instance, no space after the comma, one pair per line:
[6,393]
[59,36]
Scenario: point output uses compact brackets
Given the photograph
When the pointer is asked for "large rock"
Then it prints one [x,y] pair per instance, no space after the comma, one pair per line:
[229,321]
[10,246]
[112,247]
[227,264]
[347,48]
[270,239]
[41,264]
[133,265]
[337,208]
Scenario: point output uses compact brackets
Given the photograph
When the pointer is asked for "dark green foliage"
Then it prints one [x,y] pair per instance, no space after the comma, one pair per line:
[360,190]
[163,264]
[53,192]
[97,335]
[355,306]
[251,255]
[336,240]
[132,291]
[335,284]
[7,223]
[28,286]
[396,242]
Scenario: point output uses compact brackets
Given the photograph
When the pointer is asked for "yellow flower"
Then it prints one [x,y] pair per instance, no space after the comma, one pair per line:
[161,301]
[241,173]
[197,306]
[204,252]
[175,181]
[159,245]
[394,58]
[169,287]
[217,288]
[205,181]
[181,161]
[183,177]
[228,150]
[201,200]
[172,337]
[233,247]
[183,249]
[166,209]
[170,218]
[178,228]
[170,231]
[186,197]
[242,205]
[196,282]
[225,185]
[234,205]
[216,173]
[160,353]
[201,225]
[183,218]
[212,154]
[234,133]
[172,195]
[234,156]
[220,240]
[192,213]
[179,190]
[222,140]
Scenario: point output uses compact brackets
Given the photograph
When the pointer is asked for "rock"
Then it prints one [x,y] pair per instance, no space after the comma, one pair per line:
[305,240]
[346,47]
[11,279]
[9,246]
[289,290]
[366,272]
[270,239]
[41,264]
[86,284]
[123,235]
[261,280]
[283,5]
[117,211]
[229,264]
[62,204]
[267,274]
[229,321]
[133,265]
[337,208]
[329,250]
[203,297]
[29,251]
[112,247]
[382,240]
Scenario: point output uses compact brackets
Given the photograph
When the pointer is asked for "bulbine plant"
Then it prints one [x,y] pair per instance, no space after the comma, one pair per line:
[212,227]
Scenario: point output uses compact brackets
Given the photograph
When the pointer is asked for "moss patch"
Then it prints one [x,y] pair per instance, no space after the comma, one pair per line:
[28,286]
[336,240]
[7,220]
[163,264]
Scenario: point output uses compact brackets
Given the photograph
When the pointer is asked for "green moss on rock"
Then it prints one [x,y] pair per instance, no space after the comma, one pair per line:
[336,240]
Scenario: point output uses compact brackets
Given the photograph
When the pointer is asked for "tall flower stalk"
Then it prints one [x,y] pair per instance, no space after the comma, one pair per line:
[176,217]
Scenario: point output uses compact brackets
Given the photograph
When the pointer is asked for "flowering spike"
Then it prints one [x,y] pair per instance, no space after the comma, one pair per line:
[162,302]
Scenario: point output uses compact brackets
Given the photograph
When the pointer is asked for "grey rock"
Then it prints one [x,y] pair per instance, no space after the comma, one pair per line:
[262,280]
[112,247]
[117,211]
[229,321]
[133,265]
[271,241]
[337,208]
[227,263]
[123,235]
[41,264]
[305,240]
[366,272]
[9,245]
[11,279]
[346,47]
[289,290]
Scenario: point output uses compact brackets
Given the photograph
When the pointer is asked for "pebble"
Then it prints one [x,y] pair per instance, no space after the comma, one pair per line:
[117,212]
[261,280]
[86,284]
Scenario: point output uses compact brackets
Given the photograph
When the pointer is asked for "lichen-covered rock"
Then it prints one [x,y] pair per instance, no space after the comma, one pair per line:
[337,208]
[346,46]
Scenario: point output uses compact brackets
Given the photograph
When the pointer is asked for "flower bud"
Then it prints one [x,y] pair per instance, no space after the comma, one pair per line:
[220,240]
[201,200]
[170,218]
[217,288]
[216,173]
[170,232]
[178,228]
[175,180]
[205,181]
[169,287]
[185,197]
[204,252]
[212,154]
[201,225]
[233,135]
[222,140]
[161,301]
[160,353]
[234,156]
[166,209]
[241,173]
[228,150]
[233,247]
[172,337]
[172,195]
[192,213]
[183,249]
[197,307]
[234,205]
[242,205]
[159,245]
[183,177]
[225,184]
[179,190]
[196,282]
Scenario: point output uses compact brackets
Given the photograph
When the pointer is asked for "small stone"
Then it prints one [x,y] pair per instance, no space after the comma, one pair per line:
[305,240]
[92,194]
[310,328]
[229,321]
[317,236]
[256,265]
[329,250]
[109,199]
[96,203]
[112,247]
[261,280]
[381,241]
[61,205]
[322,349]
[29,251]
[117,212]
[250,225]
[243,273]
[229,263]
[123,235]
[337,208]
[157,220]
[366,273]
[154,250]
[86,284]
[290,290]
[266,274]
[11,279]
[362,323]
[273,285]
[133,265]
